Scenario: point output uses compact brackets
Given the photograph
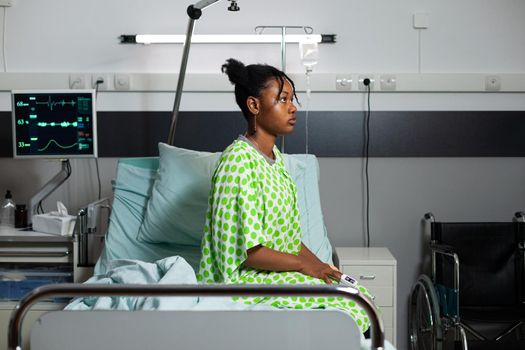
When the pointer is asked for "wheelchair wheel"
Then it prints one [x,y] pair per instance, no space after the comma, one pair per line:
[424,323]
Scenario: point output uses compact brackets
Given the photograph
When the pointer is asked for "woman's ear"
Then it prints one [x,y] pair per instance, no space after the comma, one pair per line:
[253,105]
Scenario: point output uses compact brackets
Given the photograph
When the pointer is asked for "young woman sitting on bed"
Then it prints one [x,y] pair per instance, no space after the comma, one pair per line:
[252,232]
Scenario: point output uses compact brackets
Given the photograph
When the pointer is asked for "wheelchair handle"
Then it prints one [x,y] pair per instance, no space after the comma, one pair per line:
[429,217]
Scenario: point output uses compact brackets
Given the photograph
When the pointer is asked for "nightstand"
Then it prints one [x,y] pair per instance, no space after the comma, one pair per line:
[30,259]
[376,269]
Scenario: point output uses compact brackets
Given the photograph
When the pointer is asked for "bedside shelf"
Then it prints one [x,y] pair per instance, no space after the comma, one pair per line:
[376,269]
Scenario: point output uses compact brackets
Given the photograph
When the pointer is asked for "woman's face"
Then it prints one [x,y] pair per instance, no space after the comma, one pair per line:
[276,111]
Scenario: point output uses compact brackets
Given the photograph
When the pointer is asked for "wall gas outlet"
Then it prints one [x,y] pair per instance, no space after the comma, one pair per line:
[492,83]
[97,77]
[361,80]
[387,82]
[122,82]
[343,82]
[77,81]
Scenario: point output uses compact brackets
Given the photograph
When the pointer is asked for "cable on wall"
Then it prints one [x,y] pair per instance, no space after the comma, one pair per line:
[366,155]
[98,179]
[4,38]
[419,51]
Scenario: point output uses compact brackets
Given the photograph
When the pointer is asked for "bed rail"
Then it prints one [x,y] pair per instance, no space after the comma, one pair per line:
[84,290]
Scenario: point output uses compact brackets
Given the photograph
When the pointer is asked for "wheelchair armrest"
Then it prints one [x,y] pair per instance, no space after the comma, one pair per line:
[442,248]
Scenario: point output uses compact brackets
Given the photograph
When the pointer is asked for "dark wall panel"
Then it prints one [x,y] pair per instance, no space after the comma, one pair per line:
[330,134]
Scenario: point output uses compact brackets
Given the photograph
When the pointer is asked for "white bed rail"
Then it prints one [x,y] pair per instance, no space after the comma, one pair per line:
[85,290]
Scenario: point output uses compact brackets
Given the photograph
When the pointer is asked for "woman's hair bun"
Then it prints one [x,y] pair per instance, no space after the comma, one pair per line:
[236,71]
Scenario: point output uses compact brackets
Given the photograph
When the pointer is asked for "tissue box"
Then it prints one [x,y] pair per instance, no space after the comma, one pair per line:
[49,223]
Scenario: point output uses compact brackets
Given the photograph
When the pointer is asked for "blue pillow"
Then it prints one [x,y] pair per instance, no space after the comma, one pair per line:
[313,229]
[131,193]
[177,208]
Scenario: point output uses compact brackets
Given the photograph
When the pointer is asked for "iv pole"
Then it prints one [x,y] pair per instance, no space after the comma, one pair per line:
[194,12]
[260,30]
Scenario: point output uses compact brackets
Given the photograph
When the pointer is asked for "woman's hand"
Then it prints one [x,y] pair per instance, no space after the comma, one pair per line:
[318,269]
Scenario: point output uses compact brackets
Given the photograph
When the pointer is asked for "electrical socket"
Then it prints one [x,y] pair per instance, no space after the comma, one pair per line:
[361,80]
[492,83]
[388,82]
[100,76]
[77,81]
[343,82]
[122,82]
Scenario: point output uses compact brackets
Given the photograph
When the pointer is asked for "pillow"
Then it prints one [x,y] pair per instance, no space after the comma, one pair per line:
[131,192]
[313,229]
[177,208]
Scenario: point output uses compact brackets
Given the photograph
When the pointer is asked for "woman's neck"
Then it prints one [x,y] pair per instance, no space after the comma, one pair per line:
[264,143]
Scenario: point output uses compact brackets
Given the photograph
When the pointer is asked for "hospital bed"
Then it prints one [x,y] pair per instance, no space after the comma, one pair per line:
[141,271]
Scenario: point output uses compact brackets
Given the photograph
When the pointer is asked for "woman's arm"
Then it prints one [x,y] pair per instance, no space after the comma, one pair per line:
[308,254]
[263,258]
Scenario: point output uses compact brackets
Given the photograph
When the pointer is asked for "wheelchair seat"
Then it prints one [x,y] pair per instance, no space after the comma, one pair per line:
[477,282]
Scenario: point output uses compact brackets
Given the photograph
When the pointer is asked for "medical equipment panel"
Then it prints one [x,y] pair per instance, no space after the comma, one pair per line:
[54,124]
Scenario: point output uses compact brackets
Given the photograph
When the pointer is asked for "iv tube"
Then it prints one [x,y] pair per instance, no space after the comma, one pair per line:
[308,96]
[309,54]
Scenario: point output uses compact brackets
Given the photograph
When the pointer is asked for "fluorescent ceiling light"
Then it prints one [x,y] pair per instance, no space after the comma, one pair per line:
[233,38]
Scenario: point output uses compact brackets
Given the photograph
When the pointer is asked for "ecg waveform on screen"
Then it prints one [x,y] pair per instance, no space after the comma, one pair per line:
[51,104]
[61,124]
[56,143]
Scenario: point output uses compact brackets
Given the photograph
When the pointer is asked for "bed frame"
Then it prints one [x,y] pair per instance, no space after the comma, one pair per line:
[289,329]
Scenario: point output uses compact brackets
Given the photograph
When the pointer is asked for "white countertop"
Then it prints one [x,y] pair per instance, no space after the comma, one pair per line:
[363,255]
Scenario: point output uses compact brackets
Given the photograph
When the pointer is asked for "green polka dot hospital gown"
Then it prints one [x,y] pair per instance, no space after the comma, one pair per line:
[253,202]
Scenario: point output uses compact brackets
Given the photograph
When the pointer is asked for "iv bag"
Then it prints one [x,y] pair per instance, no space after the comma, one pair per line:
[308,52]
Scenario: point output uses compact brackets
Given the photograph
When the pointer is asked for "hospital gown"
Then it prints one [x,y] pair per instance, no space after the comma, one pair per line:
[253,202]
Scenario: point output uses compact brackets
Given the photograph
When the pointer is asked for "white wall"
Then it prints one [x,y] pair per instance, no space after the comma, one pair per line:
[470,36]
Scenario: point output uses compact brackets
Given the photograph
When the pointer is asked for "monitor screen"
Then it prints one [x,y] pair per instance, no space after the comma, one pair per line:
[54,124]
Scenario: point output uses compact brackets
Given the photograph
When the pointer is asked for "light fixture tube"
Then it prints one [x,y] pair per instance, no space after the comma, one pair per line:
[228,38]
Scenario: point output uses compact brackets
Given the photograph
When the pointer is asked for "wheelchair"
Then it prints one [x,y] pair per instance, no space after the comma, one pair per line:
[475,297]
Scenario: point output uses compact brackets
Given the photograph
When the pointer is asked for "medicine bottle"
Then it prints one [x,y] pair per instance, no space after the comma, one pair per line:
[20,216]
[7,211]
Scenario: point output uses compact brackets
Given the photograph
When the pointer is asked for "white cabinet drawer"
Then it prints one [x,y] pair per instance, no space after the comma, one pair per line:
[383,295]
[371,275]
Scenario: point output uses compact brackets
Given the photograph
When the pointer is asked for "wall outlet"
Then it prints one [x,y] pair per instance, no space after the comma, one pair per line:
[361,80]
[77,81]
[492,83]
[6,3]
[122,82]
[387,82]
[104,85]
[343,82]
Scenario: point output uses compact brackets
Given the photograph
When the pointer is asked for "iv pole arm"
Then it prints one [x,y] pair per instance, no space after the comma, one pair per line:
[194,12]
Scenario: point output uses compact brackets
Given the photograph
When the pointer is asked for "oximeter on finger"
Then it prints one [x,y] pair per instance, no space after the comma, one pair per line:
[347,281]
